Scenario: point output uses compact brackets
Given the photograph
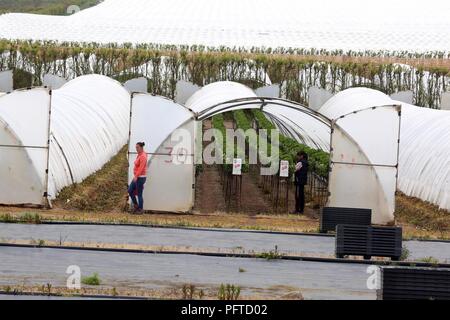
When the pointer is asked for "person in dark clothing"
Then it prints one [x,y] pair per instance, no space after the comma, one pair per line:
[301,179]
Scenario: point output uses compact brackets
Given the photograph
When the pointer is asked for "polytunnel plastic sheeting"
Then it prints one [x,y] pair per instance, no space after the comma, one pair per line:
[24,132]
[154,120]
[366,176]
[204,100]
[311,131]
[89,125]
[161,115]
[227,96]
[424,170]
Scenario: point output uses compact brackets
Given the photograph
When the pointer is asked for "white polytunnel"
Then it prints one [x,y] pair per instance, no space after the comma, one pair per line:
[424,160]
[154,121]
[24,121]
[370,179]
[89,124]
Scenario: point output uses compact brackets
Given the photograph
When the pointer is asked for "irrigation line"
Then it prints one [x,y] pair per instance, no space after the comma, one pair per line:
[237,255]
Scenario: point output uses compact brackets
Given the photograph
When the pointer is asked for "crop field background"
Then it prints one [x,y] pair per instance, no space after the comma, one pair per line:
[426,74]
[51,7]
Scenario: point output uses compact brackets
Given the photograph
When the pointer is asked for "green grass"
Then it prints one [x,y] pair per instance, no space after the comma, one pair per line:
[430,260]
[405,254]
[32,218]
[7,218]
[93,280]
[270,255]
[228,292]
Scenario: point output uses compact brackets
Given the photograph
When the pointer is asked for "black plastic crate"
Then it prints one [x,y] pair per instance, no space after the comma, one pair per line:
[368,241]
[330,217]
[407,283]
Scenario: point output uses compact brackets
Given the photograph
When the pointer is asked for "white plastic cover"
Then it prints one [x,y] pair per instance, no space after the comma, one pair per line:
[6,81]
[424,161]
[364,175]
[184,90]
[317,97]
[424,170]
[320,24]
[89,125]
[272,91]
[445,101]
[24,121]
[137,85]
[403,96]
[170,179]
[204,100]
[53,82]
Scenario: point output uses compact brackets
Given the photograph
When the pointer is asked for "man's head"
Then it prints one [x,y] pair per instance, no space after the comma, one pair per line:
[301,155]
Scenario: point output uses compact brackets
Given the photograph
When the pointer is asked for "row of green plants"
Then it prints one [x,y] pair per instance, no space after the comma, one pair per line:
[318,159]
[295,71]
[288,147]
[218,123]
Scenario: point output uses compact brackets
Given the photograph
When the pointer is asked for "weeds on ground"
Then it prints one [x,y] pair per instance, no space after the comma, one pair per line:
[405,254]
[228,292]
[189,292]
[39,242]
[33,218]
[47,289]
[7,218]
[430,260]
[93,280]
[270,255]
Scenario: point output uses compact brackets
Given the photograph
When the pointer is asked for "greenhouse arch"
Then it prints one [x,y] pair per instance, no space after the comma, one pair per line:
[356,180]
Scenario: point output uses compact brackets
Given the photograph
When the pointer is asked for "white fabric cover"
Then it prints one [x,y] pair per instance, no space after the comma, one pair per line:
[322,24]
[90,120]
[445,101]
[317,97]
[217,93]
[424,170]
[24,120]
[272,91]
[424,162]
[366,176]
[6,81]
[137,85]
[53,82]
[184,90]
[169,184]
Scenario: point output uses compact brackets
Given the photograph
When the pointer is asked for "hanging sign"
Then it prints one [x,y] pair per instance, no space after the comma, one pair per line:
[237,167]
[284,169]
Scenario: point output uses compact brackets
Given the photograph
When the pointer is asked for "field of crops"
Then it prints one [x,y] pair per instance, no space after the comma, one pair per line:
[51,7]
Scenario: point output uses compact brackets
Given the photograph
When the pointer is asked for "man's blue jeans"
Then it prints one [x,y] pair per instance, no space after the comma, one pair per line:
[137,187]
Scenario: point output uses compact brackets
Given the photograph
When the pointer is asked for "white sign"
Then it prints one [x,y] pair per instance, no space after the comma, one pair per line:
[237,167]
[284,169]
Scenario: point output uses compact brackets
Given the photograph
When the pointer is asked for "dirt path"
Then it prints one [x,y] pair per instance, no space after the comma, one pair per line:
[252,200]
[208,192]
